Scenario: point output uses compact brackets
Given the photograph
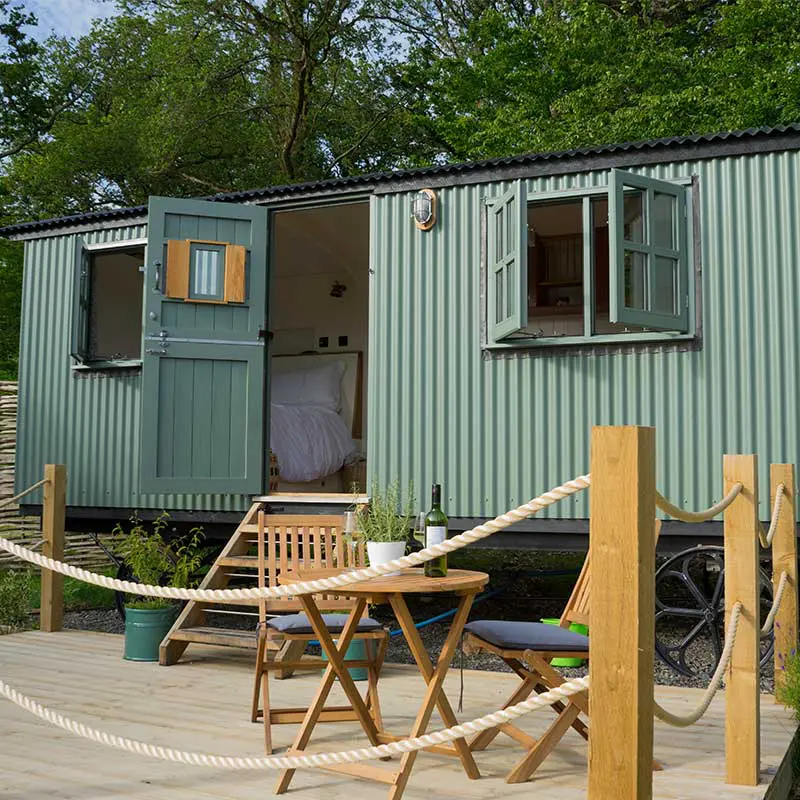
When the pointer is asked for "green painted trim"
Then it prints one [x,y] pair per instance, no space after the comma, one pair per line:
[618,311]
[516,312]
[611,338]
[106,365]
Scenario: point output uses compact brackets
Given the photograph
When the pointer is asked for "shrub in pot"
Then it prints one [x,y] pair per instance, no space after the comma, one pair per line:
[157,560]
[385,522]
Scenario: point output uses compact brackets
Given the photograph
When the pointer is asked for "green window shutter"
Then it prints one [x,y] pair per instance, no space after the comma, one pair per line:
[507,260]
[648,252]
[79,345]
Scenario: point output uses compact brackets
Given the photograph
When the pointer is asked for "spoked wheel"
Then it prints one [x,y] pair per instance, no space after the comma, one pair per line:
[690,611]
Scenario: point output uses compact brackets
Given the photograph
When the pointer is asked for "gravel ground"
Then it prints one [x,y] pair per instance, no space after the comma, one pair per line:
[434,635]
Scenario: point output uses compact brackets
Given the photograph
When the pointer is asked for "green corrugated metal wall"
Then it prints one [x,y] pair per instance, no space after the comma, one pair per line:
[496,432]
[89,421]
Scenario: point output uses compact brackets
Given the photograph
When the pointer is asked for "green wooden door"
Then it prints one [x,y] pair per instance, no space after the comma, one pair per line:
[204,362]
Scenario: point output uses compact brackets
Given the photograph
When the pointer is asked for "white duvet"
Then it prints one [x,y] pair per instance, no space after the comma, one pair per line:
[309,441]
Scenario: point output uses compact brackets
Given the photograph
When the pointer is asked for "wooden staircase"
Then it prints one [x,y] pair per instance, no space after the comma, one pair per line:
[191,625]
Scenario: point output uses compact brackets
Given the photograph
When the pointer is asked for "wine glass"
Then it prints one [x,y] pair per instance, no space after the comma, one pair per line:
[419,528]
[349,530]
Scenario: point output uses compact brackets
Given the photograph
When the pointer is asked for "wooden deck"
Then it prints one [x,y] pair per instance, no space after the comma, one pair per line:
[202,704]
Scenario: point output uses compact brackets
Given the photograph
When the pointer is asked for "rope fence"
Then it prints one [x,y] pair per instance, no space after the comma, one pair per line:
[686,720]
[334,583]
[482,531]
[698,516]
[765,539]
[555,695]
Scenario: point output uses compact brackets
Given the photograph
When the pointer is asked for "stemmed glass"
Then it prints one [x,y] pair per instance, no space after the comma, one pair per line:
[419,528]
[350,527]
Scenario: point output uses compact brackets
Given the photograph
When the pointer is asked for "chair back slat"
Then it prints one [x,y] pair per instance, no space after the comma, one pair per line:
[578,605]
[294,541]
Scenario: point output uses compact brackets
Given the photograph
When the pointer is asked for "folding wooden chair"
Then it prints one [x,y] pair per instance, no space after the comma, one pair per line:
[288,543]
[528,648]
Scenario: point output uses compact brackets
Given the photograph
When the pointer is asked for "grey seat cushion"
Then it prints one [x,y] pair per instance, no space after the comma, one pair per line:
[298,623]
[527,635]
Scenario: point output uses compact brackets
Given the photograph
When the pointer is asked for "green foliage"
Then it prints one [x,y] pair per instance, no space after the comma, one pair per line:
[157,560]
[15,600]
[10,303]
[380,521]
[787,692]
[78,595]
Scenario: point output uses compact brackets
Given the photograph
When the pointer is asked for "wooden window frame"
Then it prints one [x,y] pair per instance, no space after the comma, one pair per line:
[522,340]
[179,272]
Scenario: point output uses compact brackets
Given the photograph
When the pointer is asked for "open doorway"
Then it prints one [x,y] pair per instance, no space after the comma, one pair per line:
[319,315]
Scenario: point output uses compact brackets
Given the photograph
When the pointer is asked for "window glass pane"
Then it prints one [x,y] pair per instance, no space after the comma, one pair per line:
[635,280]
[511,286]
[499,316]
[555,268]
[664,221]
[666,289]
[633,214]
[115,310]
[511,234]
[499,230]
[207,265]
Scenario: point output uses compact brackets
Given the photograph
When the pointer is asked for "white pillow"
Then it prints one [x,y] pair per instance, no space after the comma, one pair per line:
[320,386]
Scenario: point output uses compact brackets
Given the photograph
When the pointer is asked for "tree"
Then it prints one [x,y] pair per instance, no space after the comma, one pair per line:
[558,74]
[32,97]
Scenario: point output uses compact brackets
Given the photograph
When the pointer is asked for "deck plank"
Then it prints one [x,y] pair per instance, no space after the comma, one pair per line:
[203,704]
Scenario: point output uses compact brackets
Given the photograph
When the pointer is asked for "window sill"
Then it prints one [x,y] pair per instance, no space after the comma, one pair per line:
[602,343]
[133,363]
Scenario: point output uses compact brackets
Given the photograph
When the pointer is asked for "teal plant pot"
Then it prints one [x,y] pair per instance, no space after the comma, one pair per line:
[575,627]
[144,630]
[357,652]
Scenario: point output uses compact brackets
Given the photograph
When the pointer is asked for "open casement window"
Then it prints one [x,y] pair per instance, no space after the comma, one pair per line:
[648,274]
[205,271]
[79,345]
[507,252]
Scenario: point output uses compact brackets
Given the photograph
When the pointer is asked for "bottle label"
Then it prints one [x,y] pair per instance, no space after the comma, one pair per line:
[435,534]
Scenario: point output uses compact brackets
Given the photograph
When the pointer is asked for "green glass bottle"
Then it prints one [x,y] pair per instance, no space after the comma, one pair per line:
[435,533]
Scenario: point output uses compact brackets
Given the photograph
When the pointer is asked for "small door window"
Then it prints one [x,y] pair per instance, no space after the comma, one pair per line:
[207,271]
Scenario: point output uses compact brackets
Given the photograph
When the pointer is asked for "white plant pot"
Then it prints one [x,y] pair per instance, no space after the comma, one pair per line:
[381,552]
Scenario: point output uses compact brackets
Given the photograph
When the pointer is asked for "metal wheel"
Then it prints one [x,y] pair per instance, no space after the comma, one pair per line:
[690,611]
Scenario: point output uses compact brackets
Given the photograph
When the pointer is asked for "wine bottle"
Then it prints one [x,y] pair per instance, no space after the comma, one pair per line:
[436,533]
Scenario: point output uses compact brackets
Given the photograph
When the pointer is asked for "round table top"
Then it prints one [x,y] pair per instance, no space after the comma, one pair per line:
[409,581]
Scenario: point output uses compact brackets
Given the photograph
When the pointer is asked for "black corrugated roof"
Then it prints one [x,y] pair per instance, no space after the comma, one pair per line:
[378,178]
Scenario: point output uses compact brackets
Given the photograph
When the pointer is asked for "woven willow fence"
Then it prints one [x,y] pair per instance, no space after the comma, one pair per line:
[80,548]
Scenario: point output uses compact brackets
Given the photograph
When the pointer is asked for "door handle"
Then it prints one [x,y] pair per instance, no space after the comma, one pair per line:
[157,276]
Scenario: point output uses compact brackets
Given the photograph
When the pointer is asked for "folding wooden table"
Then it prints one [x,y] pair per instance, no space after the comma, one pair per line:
[465,584]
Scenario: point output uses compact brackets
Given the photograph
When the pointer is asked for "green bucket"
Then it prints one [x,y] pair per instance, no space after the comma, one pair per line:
[575,627]
[144,630]
[357,651]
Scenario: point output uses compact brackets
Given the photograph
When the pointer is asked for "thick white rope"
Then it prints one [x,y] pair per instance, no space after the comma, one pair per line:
[684,721]
[698,516]
[766,538]
[308,587]
[776,602]
[11,500]
[557,694]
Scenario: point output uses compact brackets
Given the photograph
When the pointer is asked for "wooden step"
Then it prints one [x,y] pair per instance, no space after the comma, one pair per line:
[238,561]
[228,637]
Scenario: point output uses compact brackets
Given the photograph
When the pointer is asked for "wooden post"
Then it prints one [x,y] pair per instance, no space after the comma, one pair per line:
[742,723]
[784,558]
[53,518]
[622,642]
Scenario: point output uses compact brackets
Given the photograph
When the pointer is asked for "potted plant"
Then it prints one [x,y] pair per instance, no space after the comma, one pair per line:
[385,522]
[155,560]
